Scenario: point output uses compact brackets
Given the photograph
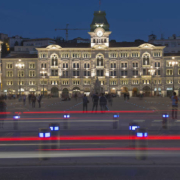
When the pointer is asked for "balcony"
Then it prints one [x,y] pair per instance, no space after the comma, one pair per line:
[54,67]
[87,84]
[146,66]
[113,77]
[54,77]
[100,77]
[99,67]
[43,77]
[123,67]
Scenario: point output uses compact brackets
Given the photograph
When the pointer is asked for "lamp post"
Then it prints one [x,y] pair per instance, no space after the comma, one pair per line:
[152,71]
[19,66]
[173,63]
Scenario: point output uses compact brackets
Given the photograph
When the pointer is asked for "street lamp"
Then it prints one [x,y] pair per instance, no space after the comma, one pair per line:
[173,63]
[19,66]
[152,71]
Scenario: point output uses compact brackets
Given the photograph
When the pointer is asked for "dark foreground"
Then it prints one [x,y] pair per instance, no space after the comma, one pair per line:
[90,173]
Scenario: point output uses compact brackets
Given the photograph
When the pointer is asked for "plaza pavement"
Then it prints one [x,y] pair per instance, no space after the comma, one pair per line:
[91,124]
[152,119]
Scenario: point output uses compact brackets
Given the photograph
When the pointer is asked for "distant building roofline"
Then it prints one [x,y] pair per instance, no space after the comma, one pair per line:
[39,39]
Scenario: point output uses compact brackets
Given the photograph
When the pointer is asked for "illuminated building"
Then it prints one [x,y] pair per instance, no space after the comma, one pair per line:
[66,68]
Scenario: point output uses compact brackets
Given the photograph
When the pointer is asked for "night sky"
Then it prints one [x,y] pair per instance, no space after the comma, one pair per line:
[128,19]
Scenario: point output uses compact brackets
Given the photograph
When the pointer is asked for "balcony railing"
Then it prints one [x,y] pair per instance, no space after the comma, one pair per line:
[99,67]
[54,67]
[54,77]
[146,66]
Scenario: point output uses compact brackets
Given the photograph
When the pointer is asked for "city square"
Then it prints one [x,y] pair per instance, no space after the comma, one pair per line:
[89,91]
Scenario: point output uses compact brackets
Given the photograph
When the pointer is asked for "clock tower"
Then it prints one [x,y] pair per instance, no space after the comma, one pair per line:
[99,31]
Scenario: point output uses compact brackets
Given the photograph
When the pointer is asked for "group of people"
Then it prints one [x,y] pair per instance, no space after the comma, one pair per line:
[32,99]
[96,99]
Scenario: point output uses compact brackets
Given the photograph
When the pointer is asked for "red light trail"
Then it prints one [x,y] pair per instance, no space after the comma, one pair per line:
[92,138]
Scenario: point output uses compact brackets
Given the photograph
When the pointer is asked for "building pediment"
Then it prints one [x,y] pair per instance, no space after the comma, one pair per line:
[147,46]
[54,47]
[100,46]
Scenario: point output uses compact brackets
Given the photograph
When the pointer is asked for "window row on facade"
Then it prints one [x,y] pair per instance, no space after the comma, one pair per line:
[55,72]
[88,82]
[88,55]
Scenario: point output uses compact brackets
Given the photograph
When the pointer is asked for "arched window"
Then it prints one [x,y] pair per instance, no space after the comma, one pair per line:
[101,40]
[146,59]
[94,41]
[104,40]
[99,60]
[54,60]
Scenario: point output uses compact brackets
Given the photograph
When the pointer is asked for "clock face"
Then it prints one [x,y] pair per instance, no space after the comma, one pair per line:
[99,33]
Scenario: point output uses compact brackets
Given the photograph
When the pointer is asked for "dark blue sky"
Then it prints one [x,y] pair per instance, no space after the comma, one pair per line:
[128,19]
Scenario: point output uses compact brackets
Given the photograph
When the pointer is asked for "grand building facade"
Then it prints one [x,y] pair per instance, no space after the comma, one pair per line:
[67,68]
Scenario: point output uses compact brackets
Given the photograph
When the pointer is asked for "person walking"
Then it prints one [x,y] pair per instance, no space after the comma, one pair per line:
[103,102]
[175,100]
[124,96]
[33,100]
[24,100]
[30,98]
[85,102]
[39,100]
[2,112]
[95,99]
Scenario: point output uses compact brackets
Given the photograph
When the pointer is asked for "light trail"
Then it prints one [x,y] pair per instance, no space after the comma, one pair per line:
[92,138]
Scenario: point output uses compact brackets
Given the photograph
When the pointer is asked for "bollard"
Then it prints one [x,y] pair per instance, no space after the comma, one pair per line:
[15,121]
[165,121]
[44,134]
[132,133]
[55,132]
[141,143]
[115,121]
[65,122]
